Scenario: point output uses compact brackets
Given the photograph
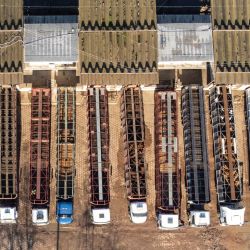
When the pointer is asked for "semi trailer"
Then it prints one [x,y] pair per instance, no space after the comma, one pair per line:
[40,155]
[227,167]
[247,105]
[167,182]
[65,172]
[8,154]
[196,160]
[98,133]
[134,152]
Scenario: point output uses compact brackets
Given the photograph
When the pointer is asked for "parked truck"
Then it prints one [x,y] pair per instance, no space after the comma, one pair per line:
[135,166]
[167,182]
[98,128]
[65,172]
[196,160]
[40,155]
[227,167]
[8,154]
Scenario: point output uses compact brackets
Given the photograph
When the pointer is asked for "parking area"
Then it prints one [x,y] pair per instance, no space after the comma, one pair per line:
[121,233]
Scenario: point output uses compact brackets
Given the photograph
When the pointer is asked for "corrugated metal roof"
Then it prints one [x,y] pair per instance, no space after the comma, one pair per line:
[184,38]
[231,14]
[11,14]
[118,52]
[11,42]
[111,15]
[231,34]
[51,39]
[232,50]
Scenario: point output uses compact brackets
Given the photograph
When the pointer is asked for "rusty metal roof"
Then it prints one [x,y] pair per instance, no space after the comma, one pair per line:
[120,51]
[11,42]
[230,14]
[231,38]
[11,14]
[108,15]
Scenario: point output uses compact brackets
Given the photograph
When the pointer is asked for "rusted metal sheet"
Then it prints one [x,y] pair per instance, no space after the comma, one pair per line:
[11,14]
[11,42]
[230,14]
[108,15]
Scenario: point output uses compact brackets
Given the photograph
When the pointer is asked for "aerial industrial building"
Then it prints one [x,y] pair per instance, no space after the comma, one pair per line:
[135,96]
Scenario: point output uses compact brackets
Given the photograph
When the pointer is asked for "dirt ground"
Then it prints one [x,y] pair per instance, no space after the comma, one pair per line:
[121,233]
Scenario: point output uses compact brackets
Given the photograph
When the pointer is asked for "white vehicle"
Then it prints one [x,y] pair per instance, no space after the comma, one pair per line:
[100,216]
[168,221]
[199,218]
[232,216]
[138,211]
[8,215]
[40,216]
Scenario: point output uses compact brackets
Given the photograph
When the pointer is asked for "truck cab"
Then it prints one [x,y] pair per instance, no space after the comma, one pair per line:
[100,216]
[168,221]
[64,212]
[40,216]
[138,211]
[199,218]
[231,216]
[8,215]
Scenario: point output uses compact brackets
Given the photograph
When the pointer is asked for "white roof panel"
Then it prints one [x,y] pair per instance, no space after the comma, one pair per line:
[51,39]
[183,38]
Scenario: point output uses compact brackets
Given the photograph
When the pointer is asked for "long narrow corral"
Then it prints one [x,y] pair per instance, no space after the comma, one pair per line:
[98,126]
[197,170]
[133,137]
[8,140]
[40,146]
[229,187]
[65,143]
[166,154]
[248,128]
